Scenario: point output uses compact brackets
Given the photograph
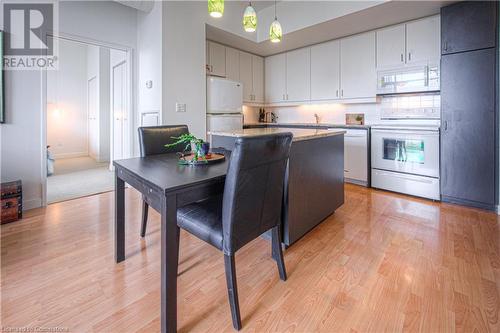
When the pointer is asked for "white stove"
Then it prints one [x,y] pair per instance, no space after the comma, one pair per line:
[405,149]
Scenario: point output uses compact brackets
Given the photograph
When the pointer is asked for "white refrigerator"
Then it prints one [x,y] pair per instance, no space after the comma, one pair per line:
[224,104]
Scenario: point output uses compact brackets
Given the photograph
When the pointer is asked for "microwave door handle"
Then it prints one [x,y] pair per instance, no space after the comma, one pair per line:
[427,76]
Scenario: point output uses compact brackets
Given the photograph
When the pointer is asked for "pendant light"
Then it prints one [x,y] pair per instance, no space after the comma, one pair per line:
[216,8]
[249,18]
[275,32]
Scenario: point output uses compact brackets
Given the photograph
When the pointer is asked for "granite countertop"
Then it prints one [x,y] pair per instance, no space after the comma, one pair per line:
[299,134]
[312,125]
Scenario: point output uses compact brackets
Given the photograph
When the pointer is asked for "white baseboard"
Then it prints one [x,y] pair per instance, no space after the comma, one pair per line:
[32,203]
[70,155]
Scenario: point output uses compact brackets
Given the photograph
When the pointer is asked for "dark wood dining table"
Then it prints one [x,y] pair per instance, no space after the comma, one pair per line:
[166,186]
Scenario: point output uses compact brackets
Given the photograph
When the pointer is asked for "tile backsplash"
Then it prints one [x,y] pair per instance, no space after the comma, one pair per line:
[328,113]
[336,113]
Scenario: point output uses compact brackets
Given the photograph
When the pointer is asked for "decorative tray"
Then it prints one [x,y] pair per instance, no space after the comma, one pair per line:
[209,159]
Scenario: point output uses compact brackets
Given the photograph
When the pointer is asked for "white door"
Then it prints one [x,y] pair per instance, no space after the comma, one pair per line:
[258,78]
[325,71]
[232,64]
[93,117]
[246,76]
[358,77]
[275,78]
[217,59]
[356,155]
[423,38]
[298,75]
[121,143]
[391,43]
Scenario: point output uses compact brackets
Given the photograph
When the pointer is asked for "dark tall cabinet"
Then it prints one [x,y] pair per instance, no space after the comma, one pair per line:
[468,26]
[469,107]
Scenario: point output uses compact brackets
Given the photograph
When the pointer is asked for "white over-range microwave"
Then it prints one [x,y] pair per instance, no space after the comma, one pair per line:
[409,79]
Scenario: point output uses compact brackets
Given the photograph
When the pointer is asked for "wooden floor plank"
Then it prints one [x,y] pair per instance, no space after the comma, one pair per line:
[382,262]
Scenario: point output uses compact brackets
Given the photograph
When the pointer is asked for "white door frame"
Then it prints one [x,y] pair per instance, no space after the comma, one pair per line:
[112,115]
[43,78]
[88,112]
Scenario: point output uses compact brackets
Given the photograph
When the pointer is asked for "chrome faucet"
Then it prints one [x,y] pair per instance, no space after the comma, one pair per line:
[317,118]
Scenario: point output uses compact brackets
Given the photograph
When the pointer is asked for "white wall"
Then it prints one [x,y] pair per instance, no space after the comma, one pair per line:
[149,59]
[67,102]
[296,15]
[183,66]
[21,136]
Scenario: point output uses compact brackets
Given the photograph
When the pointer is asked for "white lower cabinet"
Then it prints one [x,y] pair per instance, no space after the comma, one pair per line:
[356,156]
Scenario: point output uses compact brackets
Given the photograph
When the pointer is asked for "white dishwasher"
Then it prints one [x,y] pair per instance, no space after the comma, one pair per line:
[356,156]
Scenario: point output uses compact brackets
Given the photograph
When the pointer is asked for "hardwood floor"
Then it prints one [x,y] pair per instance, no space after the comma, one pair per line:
[383,262]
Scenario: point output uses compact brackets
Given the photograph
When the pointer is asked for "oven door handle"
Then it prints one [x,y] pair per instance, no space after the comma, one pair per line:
[402,176]
[417,132]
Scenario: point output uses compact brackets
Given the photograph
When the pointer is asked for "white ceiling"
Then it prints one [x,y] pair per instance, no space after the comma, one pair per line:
[259,5]
[387,13]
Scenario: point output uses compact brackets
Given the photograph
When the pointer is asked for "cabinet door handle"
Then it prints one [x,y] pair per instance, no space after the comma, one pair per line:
[445,125]
[287,97]
[337,93]
[342,92]
[283,96]
[446,46]
[402,59]
[409,56]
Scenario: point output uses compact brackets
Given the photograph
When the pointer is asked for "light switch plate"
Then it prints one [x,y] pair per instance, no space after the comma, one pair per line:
[180,107]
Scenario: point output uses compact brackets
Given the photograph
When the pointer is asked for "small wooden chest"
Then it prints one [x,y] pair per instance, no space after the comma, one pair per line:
[12,201]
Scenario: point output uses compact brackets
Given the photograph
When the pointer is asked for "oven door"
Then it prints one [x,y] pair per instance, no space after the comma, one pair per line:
[409,151]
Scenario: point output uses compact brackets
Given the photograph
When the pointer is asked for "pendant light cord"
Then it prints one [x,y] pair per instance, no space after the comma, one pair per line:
[275,17]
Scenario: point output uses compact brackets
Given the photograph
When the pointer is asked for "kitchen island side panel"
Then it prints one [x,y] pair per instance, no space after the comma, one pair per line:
[315,184]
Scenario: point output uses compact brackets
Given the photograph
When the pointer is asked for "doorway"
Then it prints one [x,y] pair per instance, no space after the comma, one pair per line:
[87,119]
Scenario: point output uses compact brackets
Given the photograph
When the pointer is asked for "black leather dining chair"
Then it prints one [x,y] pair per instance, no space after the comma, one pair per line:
[251,205]
[152,141]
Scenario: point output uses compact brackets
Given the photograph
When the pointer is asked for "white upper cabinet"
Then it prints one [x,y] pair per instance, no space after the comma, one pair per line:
[415,42]
[252,77]
[216,62]
[232,64]
[246,75]
[258,79]
[391,46]
[423,39]
[325,71]
[357,66]
[275,78]
[298,75]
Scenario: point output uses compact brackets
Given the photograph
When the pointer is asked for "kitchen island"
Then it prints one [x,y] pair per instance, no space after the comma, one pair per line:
[314,186]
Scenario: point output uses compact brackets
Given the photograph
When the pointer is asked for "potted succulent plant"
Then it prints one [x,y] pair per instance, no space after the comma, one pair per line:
[198,147]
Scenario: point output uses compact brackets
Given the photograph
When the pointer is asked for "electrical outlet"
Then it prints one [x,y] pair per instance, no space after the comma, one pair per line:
[149,84]
[180,107]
